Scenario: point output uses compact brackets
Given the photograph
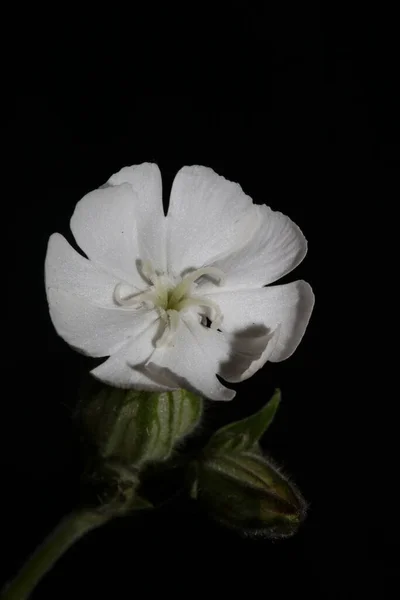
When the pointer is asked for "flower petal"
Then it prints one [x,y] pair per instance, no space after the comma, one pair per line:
[93,329]
[145,180]
[276,247]
[67,270]
[125,368]
[104,226]
[208,216]
[193,359]
[283,310]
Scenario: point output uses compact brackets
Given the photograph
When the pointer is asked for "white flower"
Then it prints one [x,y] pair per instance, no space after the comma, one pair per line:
[175,300]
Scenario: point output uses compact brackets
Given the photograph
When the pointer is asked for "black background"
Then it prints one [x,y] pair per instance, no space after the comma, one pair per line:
[295,109]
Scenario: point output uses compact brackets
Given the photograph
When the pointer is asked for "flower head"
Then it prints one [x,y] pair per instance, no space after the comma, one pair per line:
[176,300]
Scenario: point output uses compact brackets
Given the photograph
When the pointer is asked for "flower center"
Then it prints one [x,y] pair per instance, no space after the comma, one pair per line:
[170,297]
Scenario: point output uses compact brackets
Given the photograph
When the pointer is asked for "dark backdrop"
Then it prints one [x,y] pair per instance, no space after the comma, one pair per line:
[278,102]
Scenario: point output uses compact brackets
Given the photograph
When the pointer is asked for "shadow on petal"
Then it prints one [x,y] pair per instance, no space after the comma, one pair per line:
[166,377]
[247,346]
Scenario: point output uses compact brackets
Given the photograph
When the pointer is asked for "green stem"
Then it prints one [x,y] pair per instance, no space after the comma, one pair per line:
[70,529]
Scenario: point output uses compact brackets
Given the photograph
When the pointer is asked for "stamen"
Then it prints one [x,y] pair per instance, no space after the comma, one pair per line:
[148,271]
[121,295]
[214,272]
[167,300]
[123,299]
[171,328]
[161,293]
[173,321]
[181,290]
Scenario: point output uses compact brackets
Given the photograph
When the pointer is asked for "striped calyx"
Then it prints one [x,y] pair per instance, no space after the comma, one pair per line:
[137,427]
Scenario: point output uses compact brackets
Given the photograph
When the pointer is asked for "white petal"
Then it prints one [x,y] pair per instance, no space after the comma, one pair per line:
[67,270]
[93,329]
[145,179]
[125,368]
[104,226]
[276,247]
[193,359]
[282,310]
[208,216]
[296,303]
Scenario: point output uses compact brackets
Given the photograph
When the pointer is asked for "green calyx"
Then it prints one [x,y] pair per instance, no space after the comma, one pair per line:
[136,427]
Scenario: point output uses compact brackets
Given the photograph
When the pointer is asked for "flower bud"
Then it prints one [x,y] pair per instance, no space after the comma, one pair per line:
[137,427]
[247,492]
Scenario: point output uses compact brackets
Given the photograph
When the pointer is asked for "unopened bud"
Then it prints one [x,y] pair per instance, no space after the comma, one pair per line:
[247,492]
